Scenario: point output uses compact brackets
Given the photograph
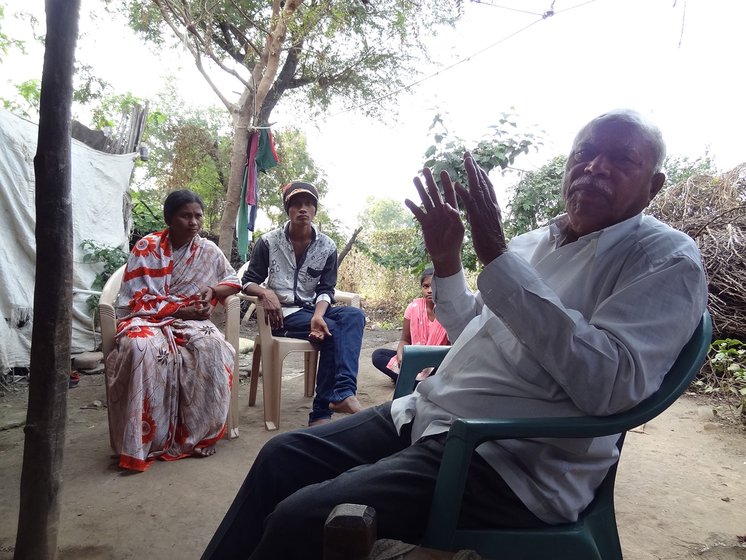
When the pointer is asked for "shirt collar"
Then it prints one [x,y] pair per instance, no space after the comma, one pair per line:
[607,237]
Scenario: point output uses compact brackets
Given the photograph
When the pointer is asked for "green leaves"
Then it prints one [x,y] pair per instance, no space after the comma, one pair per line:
[724,375]
[110,257]
[333,48]
[680,168]
[7,42]
[385,214]
[147,213]
[536,198]
[499,148]
[729,356]
[395,249]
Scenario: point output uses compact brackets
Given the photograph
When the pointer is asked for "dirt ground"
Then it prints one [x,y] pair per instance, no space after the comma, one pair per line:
[681,487]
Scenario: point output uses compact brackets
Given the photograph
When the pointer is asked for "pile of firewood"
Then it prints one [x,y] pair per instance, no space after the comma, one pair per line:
[712,210]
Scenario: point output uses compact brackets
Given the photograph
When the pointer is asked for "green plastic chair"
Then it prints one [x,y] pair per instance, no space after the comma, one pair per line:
[594,535]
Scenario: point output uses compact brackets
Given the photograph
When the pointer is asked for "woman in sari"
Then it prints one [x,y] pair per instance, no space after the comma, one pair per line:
[169,375]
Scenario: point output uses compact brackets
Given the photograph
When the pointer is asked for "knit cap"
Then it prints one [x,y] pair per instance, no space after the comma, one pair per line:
[297,187]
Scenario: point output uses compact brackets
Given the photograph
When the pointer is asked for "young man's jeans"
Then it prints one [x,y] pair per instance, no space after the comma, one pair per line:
[339,354]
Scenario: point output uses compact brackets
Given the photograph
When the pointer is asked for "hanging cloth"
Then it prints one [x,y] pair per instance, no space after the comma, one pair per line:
[266,156]
[260,156]
[248,197]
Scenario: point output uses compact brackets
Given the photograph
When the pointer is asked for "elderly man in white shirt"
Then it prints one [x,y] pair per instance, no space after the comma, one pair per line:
[583,316]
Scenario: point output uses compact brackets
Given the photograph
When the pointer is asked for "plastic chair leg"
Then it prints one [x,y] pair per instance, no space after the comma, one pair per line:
[271,383]
[256,361]
[311,364]
[233,418]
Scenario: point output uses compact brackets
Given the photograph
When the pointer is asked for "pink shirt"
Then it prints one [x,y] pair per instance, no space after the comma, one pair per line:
[421,328]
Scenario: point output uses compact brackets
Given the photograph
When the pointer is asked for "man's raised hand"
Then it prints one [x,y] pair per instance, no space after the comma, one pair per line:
[482,212]
[442,227]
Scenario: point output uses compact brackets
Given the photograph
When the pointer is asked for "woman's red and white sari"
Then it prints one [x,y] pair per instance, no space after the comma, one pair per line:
[168,379]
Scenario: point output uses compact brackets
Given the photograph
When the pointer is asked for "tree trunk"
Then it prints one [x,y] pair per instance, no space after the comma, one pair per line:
[249,107]
[238,163]
[348,245]
[41,477]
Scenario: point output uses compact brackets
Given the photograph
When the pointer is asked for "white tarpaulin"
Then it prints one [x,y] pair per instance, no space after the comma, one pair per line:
[99,184]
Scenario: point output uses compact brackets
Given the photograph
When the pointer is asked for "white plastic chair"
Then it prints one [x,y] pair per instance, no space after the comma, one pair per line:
[270,352]
[108,319]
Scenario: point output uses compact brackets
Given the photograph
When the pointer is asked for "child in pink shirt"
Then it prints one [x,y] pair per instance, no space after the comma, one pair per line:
[420,327]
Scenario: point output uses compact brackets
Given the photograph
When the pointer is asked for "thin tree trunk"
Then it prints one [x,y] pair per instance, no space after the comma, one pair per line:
[348,245]
[252,100]
[233,194]
[41,477]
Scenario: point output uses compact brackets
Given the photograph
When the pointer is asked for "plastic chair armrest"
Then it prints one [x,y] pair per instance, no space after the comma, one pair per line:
[414,360]
[348,298]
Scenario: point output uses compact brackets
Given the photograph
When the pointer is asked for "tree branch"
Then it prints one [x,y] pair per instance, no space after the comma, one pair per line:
[230,33]
[270,58]
[281,84]
[186,21]
[214,155]
[252,21]
[348,245]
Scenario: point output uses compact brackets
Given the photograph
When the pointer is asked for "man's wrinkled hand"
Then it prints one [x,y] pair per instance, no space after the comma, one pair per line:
[483,212]
[442,227]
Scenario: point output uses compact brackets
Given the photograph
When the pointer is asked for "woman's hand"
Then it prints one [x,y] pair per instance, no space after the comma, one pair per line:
[193,312]
[207,295]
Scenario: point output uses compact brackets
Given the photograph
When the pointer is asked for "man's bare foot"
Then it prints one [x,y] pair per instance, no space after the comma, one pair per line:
[318,422]
[204,451]
[348,406]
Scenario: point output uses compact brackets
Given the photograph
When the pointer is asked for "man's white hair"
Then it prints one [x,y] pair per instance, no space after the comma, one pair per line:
[650,130]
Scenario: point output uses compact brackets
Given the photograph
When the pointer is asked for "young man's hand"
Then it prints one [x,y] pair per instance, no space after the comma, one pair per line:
[319,329]
[272,308]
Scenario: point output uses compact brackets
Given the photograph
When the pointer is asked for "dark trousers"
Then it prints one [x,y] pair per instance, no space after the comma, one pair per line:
[381,358]
[299,477]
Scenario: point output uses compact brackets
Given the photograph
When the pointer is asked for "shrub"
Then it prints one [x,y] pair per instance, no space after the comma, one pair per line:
[111,258]
[724,375]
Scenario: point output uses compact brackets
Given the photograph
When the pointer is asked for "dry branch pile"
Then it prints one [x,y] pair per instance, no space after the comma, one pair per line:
[712,210]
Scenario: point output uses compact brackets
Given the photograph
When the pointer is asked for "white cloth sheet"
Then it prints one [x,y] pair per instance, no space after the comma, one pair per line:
[99,184]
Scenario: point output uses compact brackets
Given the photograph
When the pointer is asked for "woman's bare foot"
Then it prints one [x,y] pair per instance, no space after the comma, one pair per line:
[204,451]
[348,406]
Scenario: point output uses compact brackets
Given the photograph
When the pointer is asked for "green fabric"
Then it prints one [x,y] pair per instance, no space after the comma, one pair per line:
[266,158]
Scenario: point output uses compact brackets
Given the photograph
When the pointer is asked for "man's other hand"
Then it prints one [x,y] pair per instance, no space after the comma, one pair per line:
[483,212]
